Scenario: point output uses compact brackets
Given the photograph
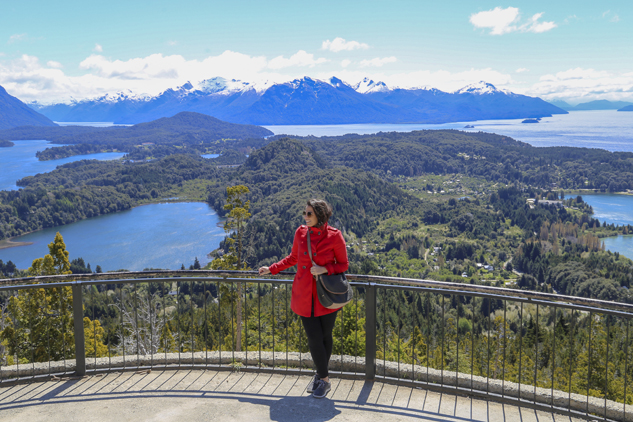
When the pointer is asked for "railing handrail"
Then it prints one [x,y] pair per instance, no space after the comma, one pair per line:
[50,281]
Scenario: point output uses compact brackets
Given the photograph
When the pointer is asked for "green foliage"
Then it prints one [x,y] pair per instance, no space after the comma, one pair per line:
[493,157]
[41,325]
[236,219]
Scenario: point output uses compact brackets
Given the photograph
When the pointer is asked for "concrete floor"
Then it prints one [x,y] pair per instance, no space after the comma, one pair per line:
[207,395]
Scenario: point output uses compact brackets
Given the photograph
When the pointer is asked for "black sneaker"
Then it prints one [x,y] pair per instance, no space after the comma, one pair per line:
[312,383]
[321,388]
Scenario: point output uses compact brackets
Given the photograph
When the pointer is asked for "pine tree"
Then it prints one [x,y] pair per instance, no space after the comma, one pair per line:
[235,223]
[41,327]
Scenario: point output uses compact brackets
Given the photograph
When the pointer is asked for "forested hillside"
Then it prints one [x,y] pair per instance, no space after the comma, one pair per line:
[493,157]
[428,204]
[183,130]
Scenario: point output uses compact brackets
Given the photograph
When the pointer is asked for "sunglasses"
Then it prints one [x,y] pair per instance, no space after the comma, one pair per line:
[309,213]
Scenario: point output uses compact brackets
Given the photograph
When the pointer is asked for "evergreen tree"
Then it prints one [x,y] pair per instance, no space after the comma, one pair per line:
[41,327]
[238,214]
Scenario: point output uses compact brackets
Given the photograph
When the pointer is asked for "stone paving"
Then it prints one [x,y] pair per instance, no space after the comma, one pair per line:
[209,395]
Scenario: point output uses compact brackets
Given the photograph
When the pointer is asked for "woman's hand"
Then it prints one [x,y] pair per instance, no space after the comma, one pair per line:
[317,269]
[264,270]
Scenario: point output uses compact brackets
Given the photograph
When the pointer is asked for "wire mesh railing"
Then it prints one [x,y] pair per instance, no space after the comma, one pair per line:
[564,354]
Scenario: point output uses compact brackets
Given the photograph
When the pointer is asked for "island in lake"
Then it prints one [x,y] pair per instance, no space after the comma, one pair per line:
[6,144]
[530,121]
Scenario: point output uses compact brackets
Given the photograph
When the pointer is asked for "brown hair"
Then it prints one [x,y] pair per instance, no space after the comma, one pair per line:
[322,210]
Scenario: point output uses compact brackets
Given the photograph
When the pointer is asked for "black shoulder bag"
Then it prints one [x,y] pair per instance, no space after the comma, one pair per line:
[333,291]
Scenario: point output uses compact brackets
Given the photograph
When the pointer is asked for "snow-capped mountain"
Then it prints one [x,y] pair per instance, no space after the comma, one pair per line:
[367,86]
[307,101]
[481,88]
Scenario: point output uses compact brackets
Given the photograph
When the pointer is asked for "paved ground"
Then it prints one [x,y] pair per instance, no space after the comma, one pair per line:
[199,395]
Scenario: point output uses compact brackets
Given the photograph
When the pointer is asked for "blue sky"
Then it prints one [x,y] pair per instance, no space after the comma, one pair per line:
[572,50]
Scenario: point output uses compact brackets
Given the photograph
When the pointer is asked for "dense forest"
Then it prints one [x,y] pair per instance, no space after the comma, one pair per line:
[493,157]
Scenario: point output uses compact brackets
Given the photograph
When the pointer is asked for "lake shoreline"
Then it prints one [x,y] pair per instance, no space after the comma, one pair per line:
[594,192]
[9,243]
[163,235]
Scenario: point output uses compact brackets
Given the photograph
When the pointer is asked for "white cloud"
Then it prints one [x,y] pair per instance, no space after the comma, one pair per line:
[339,44]
[98,48]
[499,20]
[300,58]
[522,70]
[16,37]
[533,25]
[503,21]
[172,43]
[377,62]
[29,80]
[585,85]
[54,64]
[345,63]
[611,16]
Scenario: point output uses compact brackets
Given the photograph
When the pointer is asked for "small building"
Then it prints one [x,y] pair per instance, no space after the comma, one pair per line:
[464,274]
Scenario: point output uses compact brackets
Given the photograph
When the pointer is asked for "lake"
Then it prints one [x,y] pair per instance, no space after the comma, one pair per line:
[606,129]
[614,209]
[150,236]
[20,161]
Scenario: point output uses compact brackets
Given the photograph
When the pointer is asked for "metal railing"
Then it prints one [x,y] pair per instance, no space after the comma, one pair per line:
[564,354]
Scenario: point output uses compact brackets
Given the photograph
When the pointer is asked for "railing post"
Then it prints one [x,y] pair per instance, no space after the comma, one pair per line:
[78,319]
[370,331]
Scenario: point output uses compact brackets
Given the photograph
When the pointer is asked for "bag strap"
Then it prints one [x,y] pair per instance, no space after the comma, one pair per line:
[310,247]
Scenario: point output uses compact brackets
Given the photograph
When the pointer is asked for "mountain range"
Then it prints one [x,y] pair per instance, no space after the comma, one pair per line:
[592,105]
[306,101]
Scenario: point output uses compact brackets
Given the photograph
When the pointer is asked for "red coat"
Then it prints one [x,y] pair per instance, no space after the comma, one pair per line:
[328,250]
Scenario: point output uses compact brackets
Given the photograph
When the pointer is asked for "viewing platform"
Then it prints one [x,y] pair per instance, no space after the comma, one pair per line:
[172,345]
[212,395]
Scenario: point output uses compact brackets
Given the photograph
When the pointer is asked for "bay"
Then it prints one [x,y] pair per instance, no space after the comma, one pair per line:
[164,235]
[20,161]
[606,129]
[613,209]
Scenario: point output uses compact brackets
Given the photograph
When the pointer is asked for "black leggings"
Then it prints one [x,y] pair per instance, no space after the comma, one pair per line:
[319,332]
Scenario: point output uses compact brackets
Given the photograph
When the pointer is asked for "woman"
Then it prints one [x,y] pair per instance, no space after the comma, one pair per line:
[330,256]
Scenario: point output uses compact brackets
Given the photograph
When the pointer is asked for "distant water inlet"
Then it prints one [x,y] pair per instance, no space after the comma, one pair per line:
[151,236]
[20,161]
[613,209]
[605,129]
